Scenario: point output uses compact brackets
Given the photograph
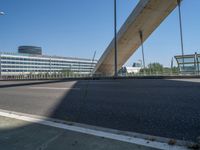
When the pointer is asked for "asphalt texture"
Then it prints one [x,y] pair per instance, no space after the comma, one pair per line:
[166,108]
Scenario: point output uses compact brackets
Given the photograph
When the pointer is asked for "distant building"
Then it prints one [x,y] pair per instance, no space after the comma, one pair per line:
[188,64]
[136,67]
[32,63]
[132,70]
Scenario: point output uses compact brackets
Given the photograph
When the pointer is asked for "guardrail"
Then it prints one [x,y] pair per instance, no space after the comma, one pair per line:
[95,77]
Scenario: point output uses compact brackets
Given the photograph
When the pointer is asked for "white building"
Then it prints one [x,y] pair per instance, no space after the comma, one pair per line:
[137,66]
[133,70]
[20,64]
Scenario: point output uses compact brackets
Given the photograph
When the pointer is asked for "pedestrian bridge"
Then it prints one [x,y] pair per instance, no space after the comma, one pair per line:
[146,17]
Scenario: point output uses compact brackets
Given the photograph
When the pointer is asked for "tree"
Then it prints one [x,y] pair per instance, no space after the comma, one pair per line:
[155,68]
[67,72]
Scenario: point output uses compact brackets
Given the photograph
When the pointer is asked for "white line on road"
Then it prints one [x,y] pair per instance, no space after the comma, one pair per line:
[53,88]
[99,82]
[98,133]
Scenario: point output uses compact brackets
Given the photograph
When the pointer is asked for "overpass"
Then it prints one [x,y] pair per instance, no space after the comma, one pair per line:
[146,17]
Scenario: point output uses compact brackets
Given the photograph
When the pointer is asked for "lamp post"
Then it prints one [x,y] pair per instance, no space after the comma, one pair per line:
[142,42]
[2,13]
[181,31]
[115,36]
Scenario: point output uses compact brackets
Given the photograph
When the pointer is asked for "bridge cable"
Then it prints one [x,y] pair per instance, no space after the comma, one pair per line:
[181,31]
[142,46]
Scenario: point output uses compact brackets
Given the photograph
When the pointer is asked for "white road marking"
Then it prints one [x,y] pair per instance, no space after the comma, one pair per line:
[53,88]
[108,135]
[99,82]
[105,82]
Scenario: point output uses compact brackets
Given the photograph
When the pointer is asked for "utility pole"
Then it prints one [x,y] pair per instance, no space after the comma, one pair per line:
[115,36]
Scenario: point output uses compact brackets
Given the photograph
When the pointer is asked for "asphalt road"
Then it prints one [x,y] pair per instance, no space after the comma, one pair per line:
[167,108]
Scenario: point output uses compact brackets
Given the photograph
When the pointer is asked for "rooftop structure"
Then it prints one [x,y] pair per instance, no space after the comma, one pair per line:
[34,50]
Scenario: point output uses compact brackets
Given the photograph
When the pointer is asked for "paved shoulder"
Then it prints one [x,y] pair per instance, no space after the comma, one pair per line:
[22,135]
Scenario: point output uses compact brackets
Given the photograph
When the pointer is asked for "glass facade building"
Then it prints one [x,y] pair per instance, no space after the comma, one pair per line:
[20,64]
[189,64]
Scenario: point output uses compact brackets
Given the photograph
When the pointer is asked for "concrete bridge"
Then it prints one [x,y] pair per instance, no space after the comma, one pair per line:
[146,17]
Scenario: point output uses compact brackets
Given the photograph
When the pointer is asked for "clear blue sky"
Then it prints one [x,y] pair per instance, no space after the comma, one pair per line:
[79,27]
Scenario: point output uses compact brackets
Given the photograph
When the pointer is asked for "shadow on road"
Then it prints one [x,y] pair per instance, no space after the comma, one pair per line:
[167,108]
[29,83]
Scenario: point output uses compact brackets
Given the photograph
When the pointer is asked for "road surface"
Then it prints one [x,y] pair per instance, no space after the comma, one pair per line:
[166,108]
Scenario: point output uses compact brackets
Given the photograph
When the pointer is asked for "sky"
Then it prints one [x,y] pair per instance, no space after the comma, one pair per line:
[78,28]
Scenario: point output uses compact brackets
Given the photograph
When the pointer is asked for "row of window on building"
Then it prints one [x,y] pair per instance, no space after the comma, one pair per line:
[15,64]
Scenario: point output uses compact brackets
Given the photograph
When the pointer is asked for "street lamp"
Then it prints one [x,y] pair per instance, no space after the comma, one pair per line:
[142,42]
[2,13]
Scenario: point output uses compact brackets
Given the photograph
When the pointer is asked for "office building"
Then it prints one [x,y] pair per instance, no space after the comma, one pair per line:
[30,62]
